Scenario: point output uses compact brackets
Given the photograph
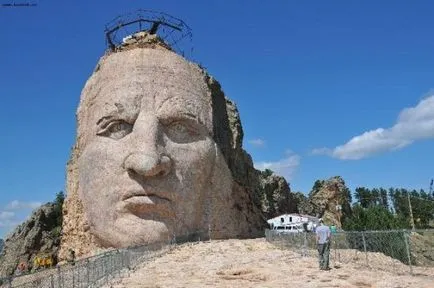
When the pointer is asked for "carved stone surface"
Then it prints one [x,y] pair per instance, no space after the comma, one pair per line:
[158,153]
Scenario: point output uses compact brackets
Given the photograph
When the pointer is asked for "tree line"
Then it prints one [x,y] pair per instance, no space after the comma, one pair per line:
[385,209]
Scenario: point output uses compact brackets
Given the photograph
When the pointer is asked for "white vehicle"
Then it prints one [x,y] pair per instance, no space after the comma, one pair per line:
[291,228]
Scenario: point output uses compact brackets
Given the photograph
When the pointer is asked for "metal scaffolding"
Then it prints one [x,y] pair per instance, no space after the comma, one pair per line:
[173,31]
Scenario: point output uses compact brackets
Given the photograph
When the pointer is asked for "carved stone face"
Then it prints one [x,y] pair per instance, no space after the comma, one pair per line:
[147,152]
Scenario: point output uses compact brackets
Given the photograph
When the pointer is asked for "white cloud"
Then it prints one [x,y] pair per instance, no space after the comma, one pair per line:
[321,151]
[7,219]
[9,224]
[257,142]
[413,123]
[19,205]
[6,215]
[284,167]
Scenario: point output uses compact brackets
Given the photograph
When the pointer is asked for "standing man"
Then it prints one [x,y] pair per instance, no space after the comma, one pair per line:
[323,240]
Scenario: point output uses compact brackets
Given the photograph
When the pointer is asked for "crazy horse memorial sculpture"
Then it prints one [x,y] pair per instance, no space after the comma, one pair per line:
[158,154]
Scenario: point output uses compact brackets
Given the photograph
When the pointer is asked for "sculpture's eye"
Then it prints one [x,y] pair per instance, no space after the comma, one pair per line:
[116,129]
[183,131]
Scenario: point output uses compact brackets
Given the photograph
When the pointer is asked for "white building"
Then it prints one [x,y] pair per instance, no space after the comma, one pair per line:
[288,219]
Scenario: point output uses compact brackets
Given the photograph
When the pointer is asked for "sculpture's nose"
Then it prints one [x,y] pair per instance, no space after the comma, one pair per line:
[146,158]
[147,165]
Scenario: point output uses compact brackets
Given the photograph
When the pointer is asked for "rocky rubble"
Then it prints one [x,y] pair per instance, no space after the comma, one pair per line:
[142,39]
[257,263]
[38,236]
[422,248]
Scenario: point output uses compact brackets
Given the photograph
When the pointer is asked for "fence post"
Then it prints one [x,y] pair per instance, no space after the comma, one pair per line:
[364,248]
[128,256]
[87,272]
[407,247]
[59,278]
[73,277]
[305,245]
[335,247]
[105,269]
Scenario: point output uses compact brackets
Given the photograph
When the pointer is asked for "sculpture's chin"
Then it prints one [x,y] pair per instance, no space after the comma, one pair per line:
[130,230]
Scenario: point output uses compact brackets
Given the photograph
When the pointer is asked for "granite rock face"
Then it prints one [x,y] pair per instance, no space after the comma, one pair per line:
[158,154]
[2,244]
[327,196]
[276,198]
[303,204]
[38,236]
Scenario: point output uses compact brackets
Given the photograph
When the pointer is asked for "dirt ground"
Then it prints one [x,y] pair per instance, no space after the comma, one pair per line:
[257,263]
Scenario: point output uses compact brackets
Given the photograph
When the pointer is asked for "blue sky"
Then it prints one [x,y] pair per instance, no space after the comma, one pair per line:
[314,82]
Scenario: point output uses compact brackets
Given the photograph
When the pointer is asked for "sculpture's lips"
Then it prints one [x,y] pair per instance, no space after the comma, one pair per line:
[139,194]
[145,201]
[147,204]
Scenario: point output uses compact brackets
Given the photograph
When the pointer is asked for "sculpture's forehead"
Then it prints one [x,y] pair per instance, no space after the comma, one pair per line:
[150,95]
[161,87]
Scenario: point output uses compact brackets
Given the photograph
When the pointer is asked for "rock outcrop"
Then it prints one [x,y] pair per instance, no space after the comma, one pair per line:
[276,196]
[2,244]
[327,196]
[37,236]
[303,204]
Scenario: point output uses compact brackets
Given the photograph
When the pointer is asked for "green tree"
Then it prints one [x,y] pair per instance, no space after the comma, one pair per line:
[372,218]
[316,187]
[423,208]
[422,204]
[384,200]
[363,196]
[267,173]
[58,204]
[375,197]
[60,197]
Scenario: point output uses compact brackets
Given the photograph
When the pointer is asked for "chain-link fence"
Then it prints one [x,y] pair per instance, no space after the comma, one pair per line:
[399,251]
[98,270]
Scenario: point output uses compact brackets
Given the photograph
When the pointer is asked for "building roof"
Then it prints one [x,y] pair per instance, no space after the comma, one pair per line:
[293,214]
